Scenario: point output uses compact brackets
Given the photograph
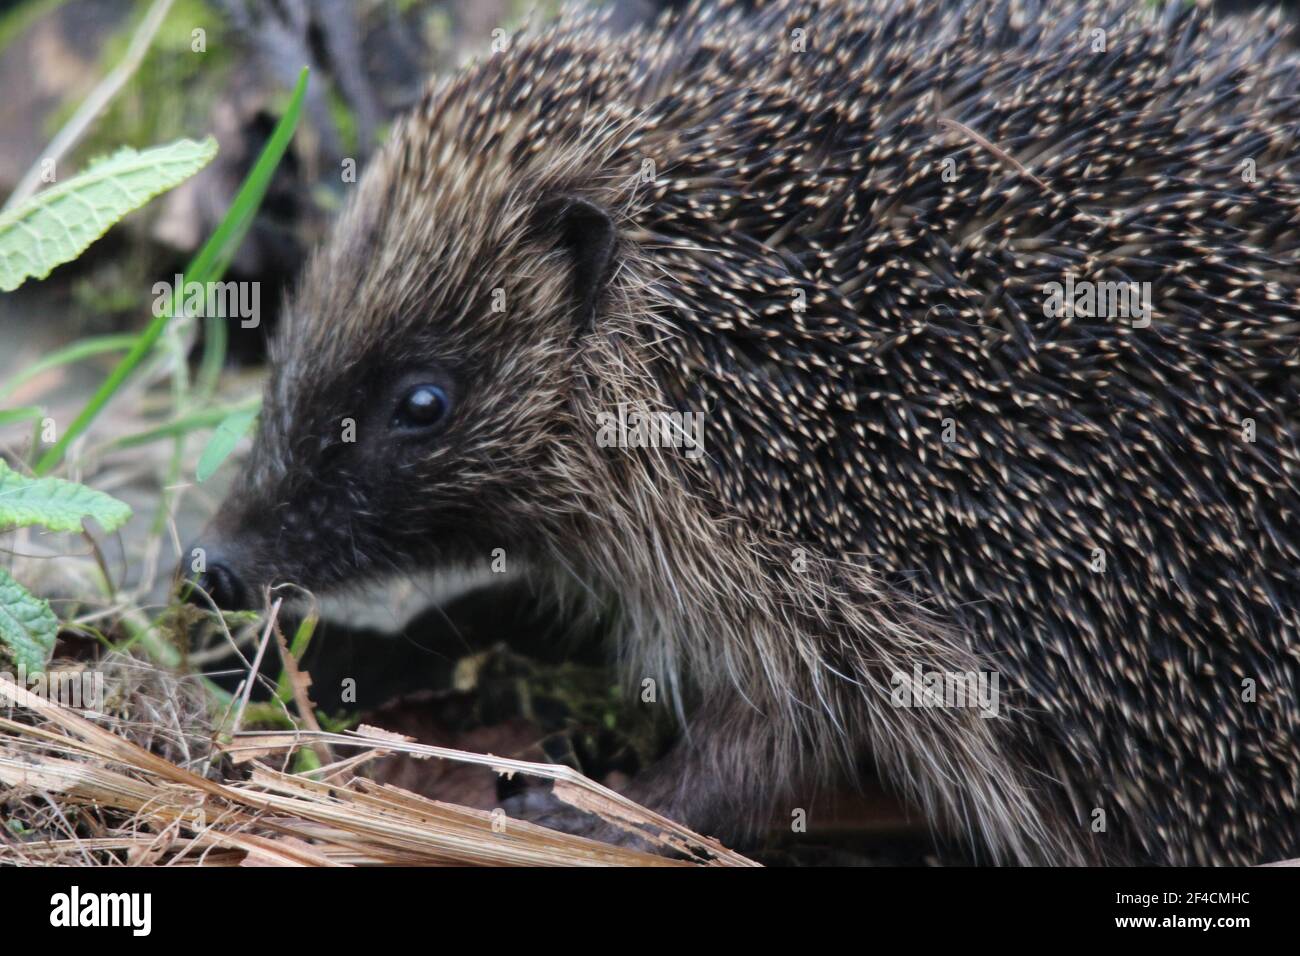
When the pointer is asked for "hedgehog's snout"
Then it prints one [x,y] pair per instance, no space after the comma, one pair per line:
[225,587]
[215,568]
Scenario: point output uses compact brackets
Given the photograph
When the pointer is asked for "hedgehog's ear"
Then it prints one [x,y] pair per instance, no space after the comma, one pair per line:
[587,233]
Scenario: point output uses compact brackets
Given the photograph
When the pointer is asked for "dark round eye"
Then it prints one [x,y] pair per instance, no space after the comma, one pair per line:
[422,407]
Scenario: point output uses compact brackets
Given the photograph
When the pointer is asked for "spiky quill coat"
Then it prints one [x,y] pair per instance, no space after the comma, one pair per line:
[909,462]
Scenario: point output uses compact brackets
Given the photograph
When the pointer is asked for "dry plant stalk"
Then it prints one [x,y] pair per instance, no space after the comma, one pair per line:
[178,817]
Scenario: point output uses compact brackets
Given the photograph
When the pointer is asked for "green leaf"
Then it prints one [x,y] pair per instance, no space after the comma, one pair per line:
[223,441]
[56,225]
[27,625]
[55,504]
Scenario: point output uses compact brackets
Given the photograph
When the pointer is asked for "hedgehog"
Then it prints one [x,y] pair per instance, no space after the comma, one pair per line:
[986,319]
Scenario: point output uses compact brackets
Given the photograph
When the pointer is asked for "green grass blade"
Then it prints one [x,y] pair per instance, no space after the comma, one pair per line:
[183,425]
[25,413]
[298,647]
[76,352]
[215,336]
[207,266]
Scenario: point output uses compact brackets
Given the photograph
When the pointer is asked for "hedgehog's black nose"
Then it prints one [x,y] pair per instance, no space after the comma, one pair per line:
[225,588]
[220,581]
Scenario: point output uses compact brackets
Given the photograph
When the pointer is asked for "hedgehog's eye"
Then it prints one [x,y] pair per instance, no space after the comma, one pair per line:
[423,406]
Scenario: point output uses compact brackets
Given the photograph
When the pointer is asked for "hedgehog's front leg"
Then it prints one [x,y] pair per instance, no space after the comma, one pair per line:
[799,681]
[720,780]
[724,775]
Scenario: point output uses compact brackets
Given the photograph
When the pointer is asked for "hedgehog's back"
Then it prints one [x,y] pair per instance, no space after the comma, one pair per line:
[856,245]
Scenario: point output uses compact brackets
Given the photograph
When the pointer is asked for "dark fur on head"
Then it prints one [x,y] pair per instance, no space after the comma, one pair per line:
[829,540]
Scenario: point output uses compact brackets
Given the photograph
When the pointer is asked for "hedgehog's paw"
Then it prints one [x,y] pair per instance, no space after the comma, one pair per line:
[545,809]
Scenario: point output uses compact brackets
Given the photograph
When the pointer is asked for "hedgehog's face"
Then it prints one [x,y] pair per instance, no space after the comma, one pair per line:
[430,430]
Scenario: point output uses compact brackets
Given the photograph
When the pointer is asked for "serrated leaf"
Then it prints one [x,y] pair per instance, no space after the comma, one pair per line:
[28,628]
[223,442]
[57,224]
[55,504]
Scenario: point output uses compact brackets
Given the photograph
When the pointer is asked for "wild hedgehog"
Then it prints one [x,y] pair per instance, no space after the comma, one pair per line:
[851,235]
